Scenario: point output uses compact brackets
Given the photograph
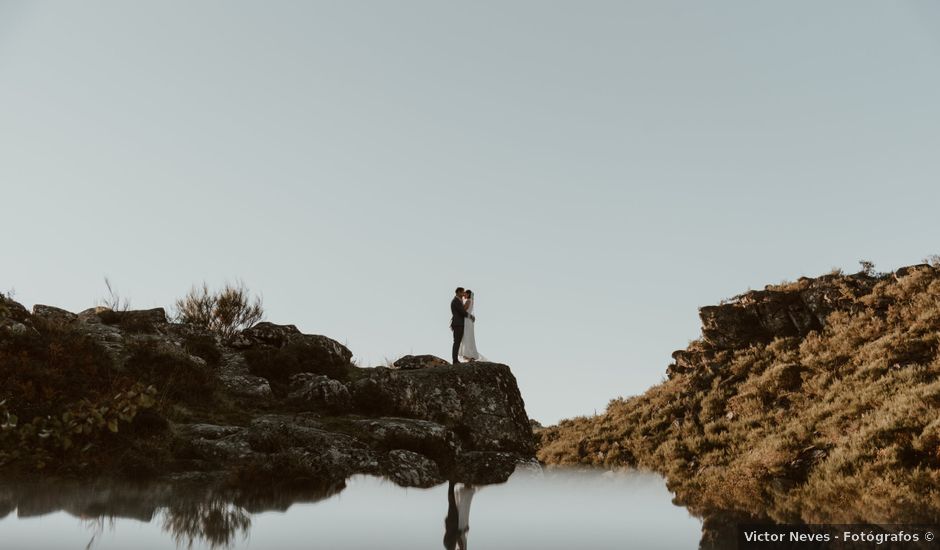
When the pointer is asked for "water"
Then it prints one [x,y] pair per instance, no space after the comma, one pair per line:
[558,510]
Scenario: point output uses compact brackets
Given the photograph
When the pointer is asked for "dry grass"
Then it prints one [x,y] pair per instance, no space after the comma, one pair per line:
[839,426]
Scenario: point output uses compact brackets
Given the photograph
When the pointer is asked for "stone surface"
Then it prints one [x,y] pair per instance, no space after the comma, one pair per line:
[270,333]
[321,350]
[484,467]
[418,424]
[411,469]
[422,436]
[411,362]
[238,381]
[312,392]
[140,320]
[762,315]
[480,402]
[53,314]
[13,310]
[15,320]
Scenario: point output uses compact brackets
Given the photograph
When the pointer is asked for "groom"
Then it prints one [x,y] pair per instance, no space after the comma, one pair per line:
[458,313]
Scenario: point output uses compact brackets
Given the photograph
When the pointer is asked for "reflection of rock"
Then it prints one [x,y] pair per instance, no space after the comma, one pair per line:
[7,502]
[481,467]
[189,512]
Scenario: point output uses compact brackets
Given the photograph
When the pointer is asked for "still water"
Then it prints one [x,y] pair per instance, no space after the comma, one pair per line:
[557,509]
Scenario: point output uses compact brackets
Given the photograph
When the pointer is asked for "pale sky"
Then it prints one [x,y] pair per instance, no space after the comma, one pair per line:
[596,171]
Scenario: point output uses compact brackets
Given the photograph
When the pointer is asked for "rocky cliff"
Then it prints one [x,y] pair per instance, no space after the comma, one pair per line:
[810,401]
[127,393]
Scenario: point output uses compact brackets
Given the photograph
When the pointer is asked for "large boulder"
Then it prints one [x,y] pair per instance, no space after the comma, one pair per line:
[410,469]
[484,467]
[320,350]
[140,320]
[313,392]
[421,436]
[269,333]
[15,320]
[52,314]
[480,402]
[13,311]
[238,381]
[412,362]
[790,310]
[323,354]
[109,337]
[299,353]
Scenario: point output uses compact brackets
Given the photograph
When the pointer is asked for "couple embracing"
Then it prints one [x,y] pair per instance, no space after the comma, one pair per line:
[461,322]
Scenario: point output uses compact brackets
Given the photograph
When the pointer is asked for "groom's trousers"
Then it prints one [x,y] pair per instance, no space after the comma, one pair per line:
[458,336]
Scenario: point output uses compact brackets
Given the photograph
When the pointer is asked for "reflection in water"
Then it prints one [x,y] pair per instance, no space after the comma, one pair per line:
[215,521]
[554,511]
[464,496]
[457,521]
[451,519]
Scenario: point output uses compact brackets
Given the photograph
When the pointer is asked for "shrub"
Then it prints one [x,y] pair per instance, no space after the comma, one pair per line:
[178,376]
[77,430]
[836,426]
[114,301]
[203,346]
[225,312]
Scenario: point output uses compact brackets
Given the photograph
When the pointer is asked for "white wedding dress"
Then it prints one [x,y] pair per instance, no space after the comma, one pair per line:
[464,496]
[468,346]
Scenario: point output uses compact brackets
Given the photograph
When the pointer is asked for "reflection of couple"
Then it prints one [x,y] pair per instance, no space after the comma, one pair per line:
[457,522]
[461,322]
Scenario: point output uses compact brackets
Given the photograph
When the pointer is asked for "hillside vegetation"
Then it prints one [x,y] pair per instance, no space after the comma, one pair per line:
[812,401]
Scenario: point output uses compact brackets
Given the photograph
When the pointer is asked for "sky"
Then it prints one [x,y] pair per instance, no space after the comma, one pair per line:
[595,171]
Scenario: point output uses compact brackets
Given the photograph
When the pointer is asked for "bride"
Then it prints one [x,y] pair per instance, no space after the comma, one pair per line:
[468,345]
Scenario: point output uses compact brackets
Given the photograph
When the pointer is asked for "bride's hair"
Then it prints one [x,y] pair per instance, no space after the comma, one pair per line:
[469,293]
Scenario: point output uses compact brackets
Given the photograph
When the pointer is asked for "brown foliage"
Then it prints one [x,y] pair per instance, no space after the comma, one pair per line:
[838,426]
[224,312]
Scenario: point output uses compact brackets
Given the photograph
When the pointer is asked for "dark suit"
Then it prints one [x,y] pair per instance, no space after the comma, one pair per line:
[452,520]
[458,313]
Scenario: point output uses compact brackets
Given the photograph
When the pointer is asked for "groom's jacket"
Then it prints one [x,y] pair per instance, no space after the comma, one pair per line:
[457,312]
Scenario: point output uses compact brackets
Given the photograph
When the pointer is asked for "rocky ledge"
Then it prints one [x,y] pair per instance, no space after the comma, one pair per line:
[128,393]
[813,401]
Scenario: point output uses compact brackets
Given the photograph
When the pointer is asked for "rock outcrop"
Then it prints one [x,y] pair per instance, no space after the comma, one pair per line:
[411,362]
[813,401]
[480,402]
[268,405]
[778,312]
[760,316]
